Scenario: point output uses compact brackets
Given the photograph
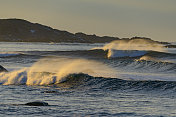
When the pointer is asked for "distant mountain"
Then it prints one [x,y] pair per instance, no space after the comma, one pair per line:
[19,30]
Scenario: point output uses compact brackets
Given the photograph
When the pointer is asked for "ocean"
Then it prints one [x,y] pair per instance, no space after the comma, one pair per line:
[113,79]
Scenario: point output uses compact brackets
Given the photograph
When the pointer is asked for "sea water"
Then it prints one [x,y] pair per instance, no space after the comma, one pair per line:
[78,80]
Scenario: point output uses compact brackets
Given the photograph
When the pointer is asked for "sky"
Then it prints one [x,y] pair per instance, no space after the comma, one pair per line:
[154,19]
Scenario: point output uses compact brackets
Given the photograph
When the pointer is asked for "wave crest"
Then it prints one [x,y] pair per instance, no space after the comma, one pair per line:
[131,48]
[53,71]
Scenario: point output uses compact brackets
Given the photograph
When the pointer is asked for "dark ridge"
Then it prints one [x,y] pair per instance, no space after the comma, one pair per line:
[19,30]
[170,46]
[149,39]
[143,38]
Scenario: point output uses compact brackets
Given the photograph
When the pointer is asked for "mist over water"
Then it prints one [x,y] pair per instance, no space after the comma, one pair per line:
[148,58]
[63,67]
[134,44]
[131,48]
[54,70]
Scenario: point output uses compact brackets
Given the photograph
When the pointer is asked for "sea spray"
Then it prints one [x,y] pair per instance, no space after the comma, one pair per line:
[148,58]
[16,77]
[131,48]
[135,44]
[55,70]
[60,68]
[157,59]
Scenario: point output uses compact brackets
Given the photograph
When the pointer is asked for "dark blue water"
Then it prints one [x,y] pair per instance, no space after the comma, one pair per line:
[125,86]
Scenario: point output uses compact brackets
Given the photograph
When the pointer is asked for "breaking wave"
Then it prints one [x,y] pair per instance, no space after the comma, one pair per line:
[134,44]
[87,74]
[123,56]
[55,71]
[52,71]
[131,48]
[83,81]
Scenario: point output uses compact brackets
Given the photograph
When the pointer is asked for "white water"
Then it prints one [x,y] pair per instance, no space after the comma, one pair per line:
[131,48]
[124,53]
[51,71]
[23,70]
[135,44]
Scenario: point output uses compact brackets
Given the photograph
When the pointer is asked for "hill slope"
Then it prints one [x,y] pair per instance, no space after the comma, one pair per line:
[18,30]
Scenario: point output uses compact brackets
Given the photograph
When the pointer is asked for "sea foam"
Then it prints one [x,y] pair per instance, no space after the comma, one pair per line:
[52,70]
[131,48]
